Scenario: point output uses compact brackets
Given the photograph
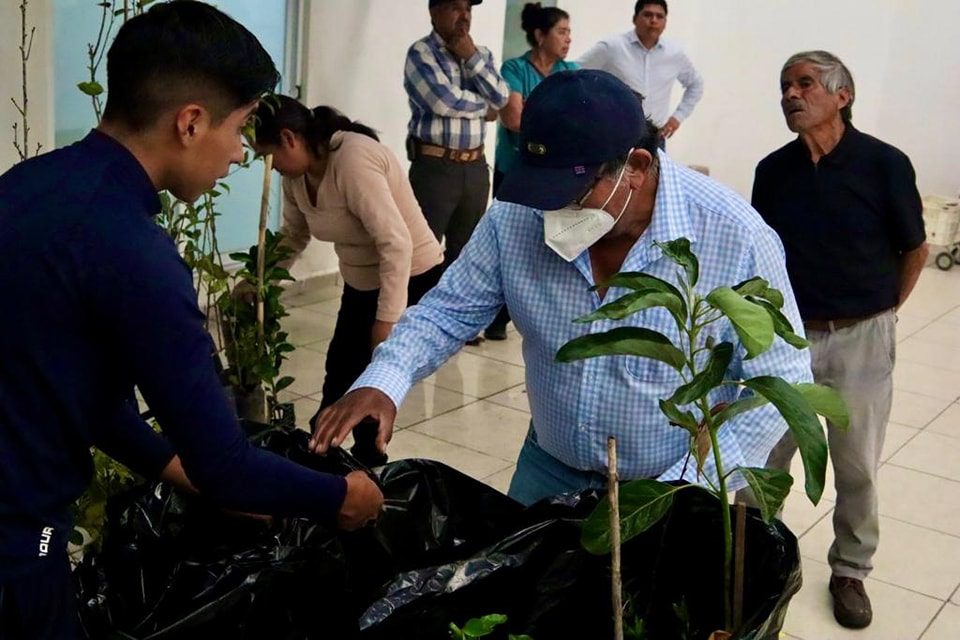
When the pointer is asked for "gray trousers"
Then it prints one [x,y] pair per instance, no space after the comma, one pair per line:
[453,197]
[858,363]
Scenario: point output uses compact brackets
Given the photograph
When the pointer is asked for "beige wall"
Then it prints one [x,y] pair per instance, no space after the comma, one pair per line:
[39,77]
[906,61]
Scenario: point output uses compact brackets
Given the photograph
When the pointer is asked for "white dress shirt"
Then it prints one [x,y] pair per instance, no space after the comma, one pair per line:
[649,72]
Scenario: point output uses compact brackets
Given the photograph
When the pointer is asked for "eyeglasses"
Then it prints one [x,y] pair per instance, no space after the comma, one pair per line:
[577,204]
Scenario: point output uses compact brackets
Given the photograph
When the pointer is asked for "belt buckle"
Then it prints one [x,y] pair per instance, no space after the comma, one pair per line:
[465,156]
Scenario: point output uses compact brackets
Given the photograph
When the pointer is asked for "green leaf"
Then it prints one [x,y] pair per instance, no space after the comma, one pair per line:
[480,627]
[782,326]
[684,419]
[626,341]
[710,377]
[806,428]
[826,402]
[632,302]
[92,88]
[639,281]
[751,322]
[734,409]
[282,384]
[634,629]
[679,251]
[760,288]
[522,636]
[642,504]
[770,488]
[456,632]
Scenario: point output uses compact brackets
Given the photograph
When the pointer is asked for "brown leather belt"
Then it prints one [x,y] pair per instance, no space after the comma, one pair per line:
[833,326]
[456,155]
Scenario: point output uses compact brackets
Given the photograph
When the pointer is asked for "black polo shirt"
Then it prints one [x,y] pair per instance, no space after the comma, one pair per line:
[844,222]
[96,301]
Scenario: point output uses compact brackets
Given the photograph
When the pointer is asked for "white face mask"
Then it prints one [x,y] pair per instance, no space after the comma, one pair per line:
[572,230]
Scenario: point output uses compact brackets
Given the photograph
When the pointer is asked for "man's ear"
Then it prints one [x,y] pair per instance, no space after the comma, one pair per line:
[190,122]
[638,164]
[844,95]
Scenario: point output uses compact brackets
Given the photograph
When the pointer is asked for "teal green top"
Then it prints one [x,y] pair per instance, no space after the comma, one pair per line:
[522,77]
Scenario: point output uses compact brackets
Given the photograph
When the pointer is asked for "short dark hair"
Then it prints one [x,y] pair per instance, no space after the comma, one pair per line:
[650,142]
[184,51]
[642,3]
[316,125]
[535,17]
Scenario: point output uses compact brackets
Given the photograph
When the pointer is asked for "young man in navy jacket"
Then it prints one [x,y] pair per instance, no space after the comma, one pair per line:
[101,302]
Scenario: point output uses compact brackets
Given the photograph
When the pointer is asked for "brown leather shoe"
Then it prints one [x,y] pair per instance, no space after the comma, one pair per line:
[851,606]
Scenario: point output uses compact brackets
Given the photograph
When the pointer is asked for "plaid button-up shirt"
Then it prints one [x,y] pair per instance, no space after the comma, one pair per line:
[449,98]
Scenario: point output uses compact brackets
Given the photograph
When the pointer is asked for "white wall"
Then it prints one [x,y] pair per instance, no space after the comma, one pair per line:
[905,58]
[39,78]
[354,58]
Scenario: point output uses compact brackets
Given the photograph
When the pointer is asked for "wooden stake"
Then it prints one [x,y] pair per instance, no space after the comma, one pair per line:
[613,494]
[262,259]
[262,238]
[740,535]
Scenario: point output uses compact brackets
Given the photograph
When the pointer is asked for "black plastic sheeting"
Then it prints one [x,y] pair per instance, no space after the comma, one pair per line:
[445,549]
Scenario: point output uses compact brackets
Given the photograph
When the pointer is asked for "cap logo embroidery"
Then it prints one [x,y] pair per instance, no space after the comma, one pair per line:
[536,149]
[579,170]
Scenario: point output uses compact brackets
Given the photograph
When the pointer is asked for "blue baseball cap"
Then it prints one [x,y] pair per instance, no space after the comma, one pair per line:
[572,123]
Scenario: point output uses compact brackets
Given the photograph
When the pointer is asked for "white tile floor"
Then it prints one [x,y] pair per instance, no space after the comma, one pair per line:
[472,414]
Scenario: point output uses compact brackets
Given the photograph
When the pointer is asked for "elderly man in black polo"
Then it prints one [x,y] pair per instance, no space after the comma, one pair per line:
[847,209]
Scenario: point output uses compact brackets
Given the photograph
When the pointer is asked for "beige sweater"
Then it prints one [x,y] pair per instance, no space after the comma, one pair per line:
[366,208]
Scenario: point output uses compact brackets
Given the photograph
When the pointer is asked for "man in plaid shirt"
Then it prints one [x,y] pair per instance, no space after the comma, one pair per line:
[454,90]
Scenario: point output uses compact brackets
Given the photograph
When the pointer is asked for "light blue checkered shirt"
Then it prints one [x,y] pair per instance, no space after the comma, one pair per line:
[448,97]
[576,406]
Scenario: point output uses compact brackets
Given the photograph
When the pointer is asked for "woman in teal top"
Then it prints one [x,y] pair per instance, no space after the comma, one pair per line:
[548,32]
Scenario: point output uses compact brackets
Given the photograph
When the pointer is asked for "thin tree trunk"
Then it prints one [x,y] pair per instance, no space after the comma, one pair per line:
[614,496]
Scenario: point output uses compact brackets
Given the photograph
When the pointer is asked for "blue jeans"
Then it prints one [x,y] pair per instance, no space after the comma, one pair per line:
[540,475]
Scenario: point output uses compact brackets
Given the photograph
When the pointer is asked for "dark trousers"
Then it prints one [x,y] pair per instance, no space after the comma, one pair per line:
[453,196]
[350,349]
[40,605]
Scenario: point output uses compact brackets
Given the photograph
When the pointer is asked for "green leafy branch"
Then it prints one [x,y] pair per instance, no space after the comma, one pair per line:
[754,310]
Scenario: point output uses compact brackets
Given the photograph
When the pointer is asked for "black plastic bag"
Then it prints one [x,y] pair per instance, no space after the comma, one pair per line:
[549,587]
[445,549]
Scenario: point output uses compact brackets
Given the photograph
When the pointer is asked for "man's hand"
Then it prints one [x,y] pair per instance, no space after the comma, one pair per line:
[462,46]
[174,474]
[670,128]
[492,114]
[380,332]
[362,504]
[336,421]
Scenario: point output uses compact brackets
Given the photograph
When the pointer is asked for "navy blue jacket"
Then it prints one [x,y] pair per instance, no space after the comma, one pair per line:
[96,300]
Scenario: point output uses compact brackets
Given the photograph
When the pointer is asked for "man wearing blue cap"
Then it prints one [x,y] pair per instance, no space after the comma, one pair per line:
[591,197]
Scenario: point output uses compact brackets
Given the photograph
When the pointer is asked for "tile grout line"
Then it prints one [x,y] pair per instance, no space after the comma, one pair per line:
[442,413]
[888,583]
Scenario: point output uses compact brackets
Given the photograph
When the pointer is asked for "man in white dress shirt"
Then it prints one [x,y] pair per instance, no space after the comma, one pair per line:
[649,65]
